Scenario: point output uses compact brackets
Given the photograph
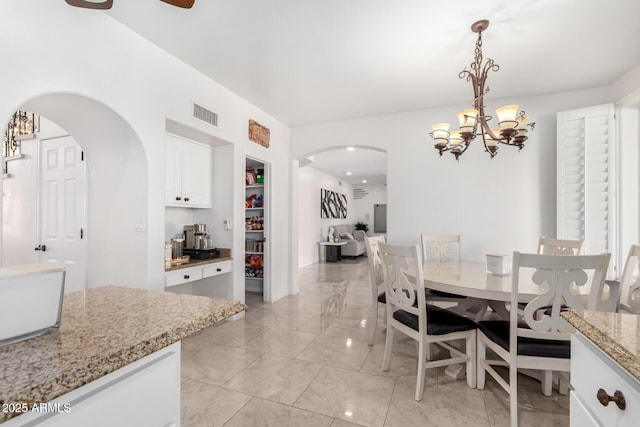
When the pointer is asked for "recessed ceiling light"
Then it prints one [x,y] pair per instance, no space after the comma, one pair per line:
[364,181]
[350,148]
[348,173]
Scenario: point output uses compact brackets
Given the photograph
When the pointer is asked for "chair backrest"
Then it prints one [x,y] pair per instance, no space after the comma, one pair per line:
[555,275]
[550,246]
[402,293]
[440,248]
[376,276]
[630,282]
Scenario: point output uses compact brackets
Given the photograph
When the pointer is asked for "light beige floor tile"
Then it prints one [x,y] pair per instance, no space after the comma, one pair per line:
[332,326]
[499,414]
[348,395]
[260,412]
[206,405]
[255,315]
[276,378]
[282,319]
[217,363]
[235,333]
[437,408]
[337,422]
[404,360]
[194,344]
[339,352]
[282,342]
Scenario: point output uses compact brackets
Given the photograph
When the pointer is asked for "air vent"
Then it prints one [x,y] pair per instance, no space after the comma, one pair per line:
[205,115]
[359,193]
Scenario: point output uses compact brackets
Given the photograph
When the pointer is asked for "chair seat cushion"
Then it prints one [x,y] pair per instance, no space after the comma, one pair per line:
[498,332]
[439,321]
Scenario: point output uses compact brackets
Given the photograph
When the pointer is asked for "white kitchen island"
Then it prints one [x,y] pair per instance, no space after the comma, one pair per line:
[114,361]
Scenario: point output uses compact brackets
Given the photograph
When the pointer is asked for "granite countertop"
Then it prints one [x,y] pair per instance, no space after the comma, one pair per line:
[617,334]
[225,255]
[102,330]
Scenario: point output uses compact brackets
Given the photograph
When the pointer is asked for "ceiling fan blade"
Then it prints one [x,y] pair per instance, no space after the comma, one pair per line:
[186,4]
[106,4]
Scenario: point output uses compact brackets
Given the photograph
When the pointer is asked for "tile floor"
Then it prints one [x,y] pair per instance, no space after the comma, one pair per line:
[304,361]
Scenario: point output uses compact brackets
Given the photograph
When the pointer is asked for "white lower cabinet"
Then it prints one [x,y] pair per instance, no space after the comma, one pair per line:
[592,371]
[143,393]
[190,274]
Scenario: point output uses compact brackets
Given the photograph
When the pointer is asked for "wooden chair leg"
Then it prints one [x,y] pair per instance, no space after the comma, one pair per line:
[472,362]
[373,323]
[547,383]
[481,354]
[386,362]
[513,395]
[422,349]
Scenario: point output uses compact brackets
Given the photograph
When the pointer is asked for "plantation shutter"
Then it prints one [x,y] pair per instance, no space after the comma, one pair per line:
[585,180]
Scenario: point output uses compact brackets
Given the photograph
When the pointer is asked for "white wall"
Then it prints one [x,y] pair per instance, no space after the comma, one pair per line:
[363,208]
[86,53]
[497,205]
[311,228]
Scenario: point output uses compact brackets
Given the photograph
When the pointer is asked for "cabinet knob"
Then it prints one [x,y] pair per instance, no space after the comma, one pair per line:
[186,199]
[186,276]
[618,398]
[178,198]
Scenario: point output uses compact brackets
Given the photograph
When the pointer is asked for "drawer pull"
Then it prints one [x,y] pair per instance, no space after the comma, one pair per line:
[617,397]
[186,276]
[218,270]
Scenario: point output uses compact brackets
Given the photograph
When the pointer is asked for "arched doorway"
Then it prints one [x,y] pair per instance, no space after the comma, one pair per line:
[117,186]
[358,175]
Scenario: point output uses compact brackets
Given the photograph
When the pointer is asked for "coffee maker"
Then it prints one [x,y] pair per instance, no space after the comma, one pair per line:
[198,244]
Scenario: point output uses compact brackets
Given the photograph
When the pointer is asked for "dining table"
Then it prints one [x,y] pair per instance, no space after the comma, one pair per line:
[471,279]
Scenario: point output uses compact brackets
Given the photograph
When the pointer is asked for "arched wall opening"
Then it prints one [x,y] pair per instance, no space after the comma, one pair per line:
[358,175]
[117,187]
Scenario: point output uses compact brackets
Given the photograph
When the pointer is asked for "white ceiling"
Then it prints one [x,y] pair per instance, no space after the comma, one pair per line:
[363,163]
[306,61]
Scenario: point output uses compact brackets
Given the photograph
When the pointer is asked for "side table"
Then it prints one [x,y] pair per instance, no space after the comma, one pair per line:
[332,251]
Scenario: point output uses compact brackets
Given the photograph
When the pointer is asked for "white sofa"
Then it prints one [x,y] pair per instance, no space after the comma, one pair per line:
[354,238]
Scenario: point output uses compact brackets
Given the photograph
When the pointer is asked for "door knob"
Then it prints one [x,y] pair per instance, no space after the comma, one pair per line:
[42,248]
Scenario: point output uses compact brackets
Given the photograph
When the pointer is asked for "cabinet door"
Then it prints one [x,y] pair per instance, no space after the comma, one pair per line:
[173,171]
[197,161]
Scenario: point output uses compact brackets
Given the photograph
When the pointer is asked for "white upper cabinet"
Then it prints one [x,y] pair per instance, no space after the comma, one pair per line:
[188,171]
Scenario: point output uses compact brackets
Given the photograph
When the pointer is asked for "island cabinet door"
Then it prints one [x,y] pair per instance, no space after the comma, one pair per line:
[611,381]
[144,393]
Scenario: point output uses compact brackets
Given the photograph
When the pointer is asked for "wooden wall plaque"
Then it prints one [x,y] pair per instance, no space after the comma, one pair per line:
[258,133]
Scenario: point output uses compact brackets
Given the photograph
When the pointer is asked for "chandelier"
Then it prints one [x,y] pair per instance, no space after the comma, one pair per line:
[474,122]
[22,125]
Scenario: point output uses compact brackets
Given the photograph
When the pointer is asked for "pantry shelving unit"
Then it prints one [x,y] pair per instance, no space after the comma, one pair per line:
[256,226]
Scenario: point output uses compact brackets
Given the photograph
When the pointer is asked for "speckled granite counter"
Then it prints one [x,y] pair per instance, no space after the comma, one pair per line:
[102,330]
[617,334]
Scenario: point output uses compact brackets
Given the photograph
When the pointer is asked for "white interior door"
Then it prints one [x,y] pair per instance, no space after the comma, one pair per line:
[62,209]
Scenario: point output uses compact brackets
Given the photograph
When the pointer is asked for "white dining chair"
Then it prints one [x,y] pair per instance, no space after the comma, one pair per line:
[448,249]
[630,283]
[408,312]
[539,339]
[375,279]
[441,247]
[551,246]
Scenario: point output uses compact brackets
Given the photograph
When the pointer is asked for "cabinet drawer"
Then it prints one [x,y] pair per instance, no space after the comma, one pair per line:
[216,268]
[185,275]
[586,359]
